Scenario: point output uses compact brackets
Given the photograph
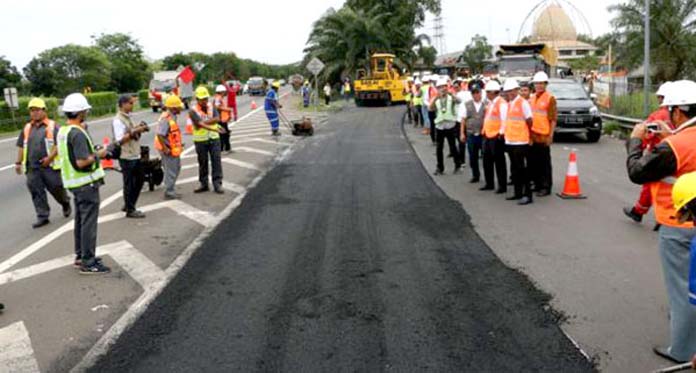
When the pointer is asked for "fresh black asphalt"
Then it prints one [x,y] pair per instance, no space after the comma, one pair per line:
[347,257]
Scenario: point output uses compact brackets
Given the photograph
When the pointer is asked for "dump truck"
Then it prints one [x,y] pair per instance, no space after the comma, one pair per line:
[382,85]
[522,61]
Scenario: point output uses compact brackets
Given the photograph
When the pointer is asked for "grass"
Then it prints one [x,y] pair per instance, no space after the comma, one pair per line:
[335,106]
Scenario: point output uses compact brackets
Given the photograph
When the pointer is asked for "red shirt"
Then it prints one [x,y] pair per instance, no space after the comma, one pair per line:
[231,94]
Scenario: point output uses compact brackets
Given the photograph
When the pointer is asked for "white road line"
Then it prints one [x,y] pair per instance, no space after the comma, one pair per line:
[3,168]
[137,265]
[258,139]
[17,353]
[189,166]
[251,134]
[253,150]
[236,188]
[242,164]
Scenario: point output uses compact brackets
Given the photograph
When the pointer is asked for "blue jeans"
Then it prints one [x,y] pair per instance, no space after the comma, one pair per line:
[675,256]
[426,119]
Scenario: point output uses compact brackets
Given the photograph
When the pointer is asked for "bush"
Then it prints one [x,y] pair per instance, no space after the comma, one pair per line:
[102,103]
[143,98]
[631,105]
[21,115]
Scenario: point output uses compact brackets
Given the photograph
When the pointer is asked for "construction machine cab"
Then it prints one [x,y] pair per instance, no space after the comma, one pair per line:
[382,66]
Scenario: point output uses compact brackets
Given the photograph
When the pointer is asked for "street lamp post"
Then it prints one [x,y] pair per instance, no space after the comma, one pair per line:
[646,62]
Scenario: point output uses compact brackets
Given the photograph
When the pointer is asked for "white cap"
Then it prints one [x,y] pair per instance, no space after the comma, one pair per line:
[433,78]
[682,92]
[510,84]
[418,81]
[441,82]
[540,77]
[492,86]
[220,88]
[664,88]
[75,103]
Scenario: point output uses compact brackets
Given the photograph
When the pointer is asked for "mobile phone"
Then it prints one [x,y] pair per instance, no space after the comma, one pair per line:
[653,127]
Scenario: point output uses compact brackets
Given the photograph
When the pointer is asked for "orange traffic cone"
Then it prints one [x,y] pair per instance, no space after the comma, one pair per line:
[253,105]
[107,164]
[189,128]
[571,190]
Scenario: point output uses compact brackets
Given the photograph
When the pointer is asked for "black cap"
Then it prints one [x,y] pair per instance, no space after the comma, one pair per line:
[124,99]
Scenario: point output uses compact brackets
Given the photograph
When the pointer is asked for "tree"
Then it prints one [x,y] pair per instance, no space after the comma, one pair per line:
[175,60]
[129,71]
[9,76]
[70,68]
[476,53]
[584,64]
[671,36]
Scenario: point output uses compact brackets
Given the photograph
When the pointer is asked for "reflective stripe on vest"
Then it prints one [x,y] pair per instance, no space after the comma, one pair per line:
[173,137]
[201,134]
[516,130]
[540,112]
[446,115]
[492,121]
[49,141]
[73,178]
[682,145]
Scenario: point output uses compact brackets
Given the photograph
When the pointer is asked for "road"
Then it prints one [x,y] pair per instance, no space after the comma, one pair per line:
[347,257]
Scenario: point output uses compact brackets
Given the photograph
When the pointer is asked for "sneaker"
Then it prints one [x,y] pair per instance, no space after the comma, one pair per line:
[632,214]
[95,269]
[524,201]
[67,211]
[78,261]
[201,189]
[40,223]
[219,191]
[663,352]
[2,307]
[135,214]
[438,173]
[173,196]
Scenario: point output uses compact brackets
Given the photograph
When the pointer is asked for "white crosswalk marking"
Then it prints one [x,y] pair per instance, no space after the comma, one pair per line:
[257,139]
[16,352]
[236,188]
[137,265]
[254,150]
[242,164]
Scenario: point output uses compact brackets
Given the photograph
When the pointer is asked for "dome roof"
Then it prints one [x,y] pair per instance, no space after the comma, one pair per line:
[553,24]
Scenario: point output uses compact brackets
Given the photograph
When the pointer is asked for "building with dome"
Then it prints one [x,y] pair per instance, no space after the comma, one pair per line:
[554,27]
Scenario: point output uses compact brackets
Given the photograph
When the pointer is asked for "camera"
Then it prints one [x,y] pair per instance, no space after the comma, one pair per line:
[653,127]
[113,150]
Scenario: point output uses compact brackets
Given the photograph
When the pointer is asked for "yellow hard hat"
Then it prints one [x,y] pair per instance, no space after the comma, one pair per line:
[276,84]
[684,190]
[202,92]
[173,101]
[37,103]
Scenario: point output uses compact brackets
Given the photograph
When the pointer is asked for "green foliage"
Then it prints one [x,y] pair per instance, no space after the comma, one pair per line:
[102,103]
[631,105]
[129,71]
[70,68]
[671,36]
[584,64]
[9,76]
[143,98]
[476,53]
[21,115]
[226,65]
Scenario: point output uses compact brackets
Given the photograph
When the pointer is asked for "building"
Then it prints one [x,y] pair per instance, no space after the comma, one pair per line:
[554,27]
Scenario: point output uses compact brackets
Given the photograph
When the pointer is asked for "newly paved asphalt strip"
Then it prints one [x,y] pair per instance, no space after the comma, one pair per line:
[347,257]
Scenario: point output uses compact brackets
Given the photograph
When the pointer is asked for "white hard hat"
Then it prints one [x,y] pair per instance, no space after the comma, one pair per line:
[418,81]
[434,78]
[75,103]
[220,88]
[442,82]
[492,86]
[540,77]
[409,79]
[510,84]
[664,88]
[682,92]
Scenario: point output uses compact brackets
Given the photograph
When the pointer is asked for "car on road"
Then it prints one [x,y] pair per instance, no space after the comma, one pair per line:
[577,113]
[256,86]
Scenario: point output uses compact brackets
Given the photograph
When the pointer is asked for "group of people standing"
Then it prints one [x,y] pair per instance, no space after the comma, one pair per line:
[504,121]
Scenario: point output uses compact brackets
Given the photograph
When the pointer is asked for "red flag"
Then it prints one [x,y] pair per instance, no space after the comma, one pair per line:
[187,75]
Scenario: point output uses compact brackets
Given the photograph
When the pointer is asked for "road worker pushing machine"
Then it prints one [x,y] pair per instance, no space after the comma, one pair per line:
[37,158]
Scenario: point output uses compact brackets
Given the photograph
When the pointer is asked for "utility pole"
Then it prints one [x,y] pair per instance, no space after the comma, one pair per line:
[646,62]
[439,35]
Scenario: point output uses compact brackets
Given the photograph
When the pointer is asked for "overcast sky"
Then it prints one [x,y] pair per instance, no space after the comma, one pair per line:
[272,31]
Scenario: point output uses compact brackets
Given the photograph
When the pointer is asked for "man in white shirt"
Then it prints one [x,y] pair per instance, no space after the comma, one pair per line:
[517,123]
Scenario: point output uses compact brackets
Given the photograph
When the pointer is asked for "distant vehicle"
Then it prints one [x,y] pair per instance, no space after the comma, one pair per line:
[577,112]
[256,86]
[522,61]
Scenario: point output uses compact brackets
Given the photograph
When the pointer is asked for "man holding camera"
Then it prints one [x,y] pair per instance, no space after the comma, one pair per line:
[673,157]
[127,135]
[82,175]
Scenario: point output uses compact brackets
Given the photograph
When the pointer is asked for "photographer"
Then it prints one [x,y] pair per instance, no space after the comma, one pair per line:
[674,156]
[127,135]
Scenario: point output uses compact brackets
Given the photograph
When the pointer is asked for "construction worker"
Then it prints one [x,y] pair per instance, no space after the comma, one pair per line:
[127,134]
[224,112]
[169,144]
[37,158]
[517,123]
[232,91]
[417,98]
[346,89]
[545,114]
[472,116]
[271,106]
[433,94]
[425,97]
[327,94]
[459,90]
[445,125]
[306,90]
[82,175]
[644,202]
[525,90]
[408,98]
[673,157]
[493,140]
[206,138]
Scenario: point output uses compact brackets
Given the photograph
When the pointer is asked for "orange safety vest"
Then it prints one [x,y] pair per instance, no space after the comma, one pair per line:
[492,121]
[224,114]
[682,145]
[49,142]
[540,111]
[174,136]
[516,129]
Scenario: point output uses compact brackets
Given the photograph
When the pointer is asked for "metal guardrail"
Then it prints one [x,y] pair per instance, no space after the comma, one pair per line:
[624,122]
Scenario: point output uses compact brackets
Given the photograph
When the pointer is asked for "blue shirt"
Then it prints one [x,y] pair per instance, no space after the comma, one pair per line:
[271,99]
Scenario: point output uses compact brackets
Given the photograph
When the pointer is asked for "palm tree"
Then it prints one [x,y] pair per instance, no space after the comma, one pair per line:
[671,36]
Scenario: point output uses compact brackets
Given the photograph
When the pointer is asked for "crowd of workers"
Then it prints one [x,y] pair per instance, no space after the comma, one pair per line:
[509,119]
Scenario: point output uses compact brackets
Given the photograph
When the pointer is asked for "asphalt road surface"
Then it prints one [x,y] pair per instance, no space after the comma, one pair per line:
[347,257]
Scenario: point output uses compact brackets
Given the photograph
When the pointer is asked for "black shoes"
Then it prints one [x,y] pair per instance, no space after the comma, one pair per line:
[40,223]
[173,196]
[201,189]
[67,211]
[501,191]
[486,187]
[457,169]
[95,269]
[438,173]
[543,192]
[219,191]
[632,214]
[513,198]
[474,180]
[524,201]
[135,214]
